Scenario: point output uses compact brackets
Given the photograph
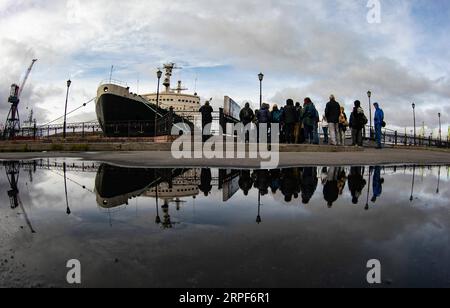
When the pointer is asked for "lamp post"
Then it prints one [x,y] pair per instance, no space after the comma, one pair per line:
[159,75]
[369,95]
[440,129]
[261,78]
[414,116]
[69,82]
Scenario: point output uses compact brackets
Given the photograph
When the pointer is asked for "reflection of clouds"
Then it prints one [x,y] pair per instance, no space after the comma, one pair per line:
[322,246]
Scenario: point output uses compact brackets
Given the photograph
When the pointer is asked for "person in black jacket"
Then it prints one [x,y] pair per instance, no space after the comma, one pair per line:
[207,119]
[332,112]
[289,119]
[357,122]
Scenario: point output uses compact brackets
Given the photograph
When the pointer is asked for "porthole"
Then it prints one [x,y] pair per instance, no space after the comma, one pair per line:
[105,89]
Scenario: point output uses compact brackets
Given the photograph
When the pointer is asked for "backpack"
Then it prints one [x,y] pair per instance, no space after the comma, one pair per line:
[246,114]
[363,120]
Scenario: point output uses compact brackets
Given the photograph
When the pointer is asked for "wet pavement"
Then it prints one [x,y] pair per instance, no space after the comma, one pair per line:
[201,227]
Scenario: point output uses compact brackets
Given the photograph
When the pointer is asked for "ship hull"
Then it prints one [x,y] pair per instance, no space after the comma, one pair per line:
[125,117]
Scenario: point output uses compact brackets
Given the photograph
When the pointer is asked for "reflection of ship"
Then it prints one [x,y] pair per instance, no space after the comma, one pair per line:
[116,185]
[125,114]
[183,186]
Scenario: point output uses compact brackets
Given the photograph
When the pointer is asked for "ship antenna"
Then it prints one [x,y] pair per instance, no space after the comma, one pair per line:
[111,73]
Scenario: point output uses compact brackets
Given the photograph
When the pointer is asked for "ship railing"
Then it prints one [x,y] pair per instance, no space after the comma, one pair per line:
[114,82]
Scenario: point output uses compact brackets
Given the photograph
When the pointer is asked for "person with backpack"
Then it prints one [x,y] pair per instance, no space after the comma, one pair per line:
[277,115]
[332,113]
[358,121]
[288,120]
[264,120]
[309,120]
[379,124]
[246,117]
[343,124]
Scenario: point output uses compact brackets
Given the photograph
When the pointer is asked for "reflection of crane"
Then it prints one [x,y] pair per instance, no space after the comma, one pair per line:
[13,120]
[12,173]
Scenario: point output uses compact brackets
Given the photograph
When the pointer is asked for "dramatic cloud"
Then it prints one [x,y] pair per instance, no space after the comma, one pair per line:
[305,48]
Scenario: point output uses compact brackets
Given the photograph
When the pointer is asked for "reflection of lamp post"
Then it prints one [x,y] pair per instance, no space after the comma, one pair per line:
[158,219]
[158,75]
[414,116]
[368,189]
[69,82]
[68,211]
[258,218]
[439,180]
[369,95]
[261,78]
[440,129]
[412,186]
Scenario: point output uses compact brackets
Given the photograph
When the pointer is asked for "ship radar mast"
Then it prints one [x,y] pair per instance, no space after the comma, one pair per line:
[169,71]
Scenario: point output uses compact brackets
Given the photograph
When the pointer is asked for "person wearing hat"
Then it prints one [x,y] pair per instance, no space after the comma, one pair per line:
[378,121]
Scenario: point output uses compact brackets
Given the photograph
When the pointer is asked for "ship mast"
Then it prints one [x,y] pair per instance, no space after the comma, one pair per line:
[169,71]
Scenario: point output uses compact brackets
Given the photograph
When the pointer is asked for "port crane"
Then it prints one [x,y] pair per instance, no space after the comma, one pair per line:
[13,120]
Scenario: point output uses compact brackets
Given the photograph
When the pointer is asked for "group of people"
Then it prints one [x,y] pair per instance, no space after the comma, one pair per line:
[299,123]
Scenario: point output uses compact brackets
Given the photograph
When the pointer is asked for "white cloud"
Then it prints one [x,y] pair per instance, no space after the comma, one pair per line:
[308,48]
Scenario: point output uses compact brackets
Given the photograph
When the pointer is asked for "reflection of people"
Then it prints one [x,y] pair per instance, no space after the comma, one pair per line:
[245,182]
[331,189]
[275,184]
[342,179]
[289,184]
[356,183]
[205,181]
[378,182]
[309,184]
[262,181]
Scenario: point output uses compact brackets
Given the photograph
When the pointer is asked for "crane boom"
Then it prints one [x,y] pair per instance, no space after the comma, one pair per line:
[26,77]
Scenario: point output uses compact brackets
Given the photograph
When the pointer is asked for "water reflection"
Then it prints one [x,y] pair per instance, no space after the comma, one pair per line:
[226,228]
[116,186]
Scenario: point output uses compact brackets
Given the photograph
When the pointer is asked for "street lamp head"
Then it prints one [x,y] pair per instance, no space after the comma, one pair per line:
[159,74]
[369,94]
[439,114]
[261,76]
[69,82]
[414,105]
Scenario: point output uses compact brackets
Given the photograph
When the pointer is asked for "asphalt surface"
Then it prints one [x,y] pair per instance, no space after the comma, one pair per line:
[160,159]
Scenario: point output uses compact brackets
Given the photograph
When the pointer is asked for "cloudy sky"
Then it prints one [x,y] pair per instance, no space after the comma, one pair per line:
[305,48]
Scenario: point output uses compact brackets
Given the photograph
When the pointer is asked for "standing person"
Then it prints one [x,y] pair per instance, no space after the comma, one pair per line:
[263,120]
[309,115]
[316,126]
[343,124]
[276,118]
[358,121]
[325,129]
[379,123]
[247,116]
[289,119]
[332,113]
[298,123]
[207,119]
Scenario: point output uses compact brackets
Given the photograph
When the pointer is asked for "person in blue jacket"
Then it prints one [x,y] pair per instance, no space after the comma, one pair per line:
[379,120]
